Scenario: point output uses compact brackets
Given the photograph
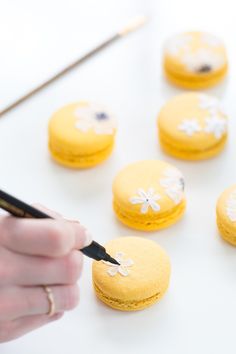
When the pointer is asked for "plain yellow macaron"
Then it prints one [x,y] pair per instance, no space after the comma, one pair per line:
[192,126]
[149,195]
[81,134]
[226,215]
[140,280]
[195,60]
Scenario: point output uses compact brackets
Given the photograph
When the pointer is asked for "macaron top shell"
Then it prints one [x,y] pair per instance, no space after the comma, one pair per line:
[193,120]
[144,269]
[84,127]
[195,53]
[226,207]
[148,188]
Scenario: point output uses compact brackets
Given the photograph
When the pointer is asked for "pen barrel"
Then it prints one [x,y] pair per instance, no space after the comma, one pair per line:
[18,208]
[95,251]
[22,210]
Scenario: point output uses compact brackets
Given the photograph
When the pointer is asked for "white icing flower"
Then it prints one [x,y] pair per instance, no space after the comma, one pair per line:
[84,125]
[177,43]
[93,116]
[173,184]
[231,207]
[190,126]
[147,199]
[121,268]
[212,104]
[216,126]
[211,40]
[203,60]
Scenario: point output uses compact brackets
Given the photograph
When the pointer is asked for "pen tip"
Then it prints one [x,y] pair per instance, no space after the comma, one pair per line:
[111,260]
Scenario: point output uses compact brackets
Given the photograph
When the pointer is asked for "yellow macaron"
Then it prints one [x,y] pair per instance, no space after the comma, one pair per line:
[195,60]
[149,195]
[141,279]
[81,134]
[226,215]
[192,126]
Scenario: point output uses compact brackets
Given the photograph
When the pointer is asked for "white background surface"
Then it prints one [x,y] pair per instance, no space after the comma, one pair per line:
[198,314]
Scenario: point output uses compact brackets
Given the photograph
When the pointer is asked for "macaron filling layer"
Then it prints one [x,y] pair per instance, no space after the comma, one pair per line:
[76,159]
[129,305]
[195,80]
[180,150]
[154,222]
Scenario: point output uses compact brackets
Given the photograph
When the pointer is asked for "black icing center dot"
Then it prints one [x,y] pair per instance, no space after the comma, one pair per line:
[182,182]
[205,68]
[101,116]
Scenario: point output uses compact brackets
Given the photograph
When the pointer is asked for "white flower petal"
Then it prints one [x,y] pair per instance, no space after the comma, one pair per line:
[89,115]
[112,271]
[177,43]
[144,208]
[173,173]
[231,207]
[147,199]
[211,40]
[127,263]
[123,271]
[142,193]
[189,126]
[174,195]
[232,215]
[122,268]
[216,126]
[154,205]
[150,192]
[83,125]
[119,255]
[137,200]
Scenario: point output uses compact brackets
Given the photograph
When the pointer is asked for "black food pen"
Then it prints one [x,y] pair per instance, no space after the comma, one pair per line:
[20,209]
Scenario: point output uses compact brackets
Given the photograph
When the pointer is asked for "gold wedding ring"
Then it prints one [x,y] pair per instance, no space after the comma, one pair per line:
[51,301]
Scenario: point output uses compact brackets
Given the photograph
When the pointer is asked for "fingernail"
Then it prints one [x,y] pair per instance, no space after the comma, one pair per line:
[88,238]
[57,316]
[84,237]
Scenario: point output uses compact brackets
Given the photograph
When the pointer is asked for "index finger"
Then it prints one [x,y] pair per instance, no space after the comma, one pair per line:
[42,237]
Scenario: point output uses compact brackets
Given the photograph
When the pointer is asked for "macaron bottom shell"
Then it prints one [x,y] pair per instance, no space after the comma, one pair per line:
[129,305]
[141,278]
[227,233]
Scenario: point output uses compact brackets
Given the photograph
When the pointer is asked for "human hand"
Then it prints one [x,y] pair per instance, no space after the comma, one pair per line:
[35,253]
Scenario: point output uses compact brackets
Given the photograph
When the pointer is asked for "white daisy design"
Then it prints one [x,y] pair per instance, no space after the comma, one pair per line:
[177,43]
[216,126]
[190,126]
[210,40]
[147,199]
[121,268]
[204,60]
[231,207]
[173,184]
[93,116]
[211,104]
